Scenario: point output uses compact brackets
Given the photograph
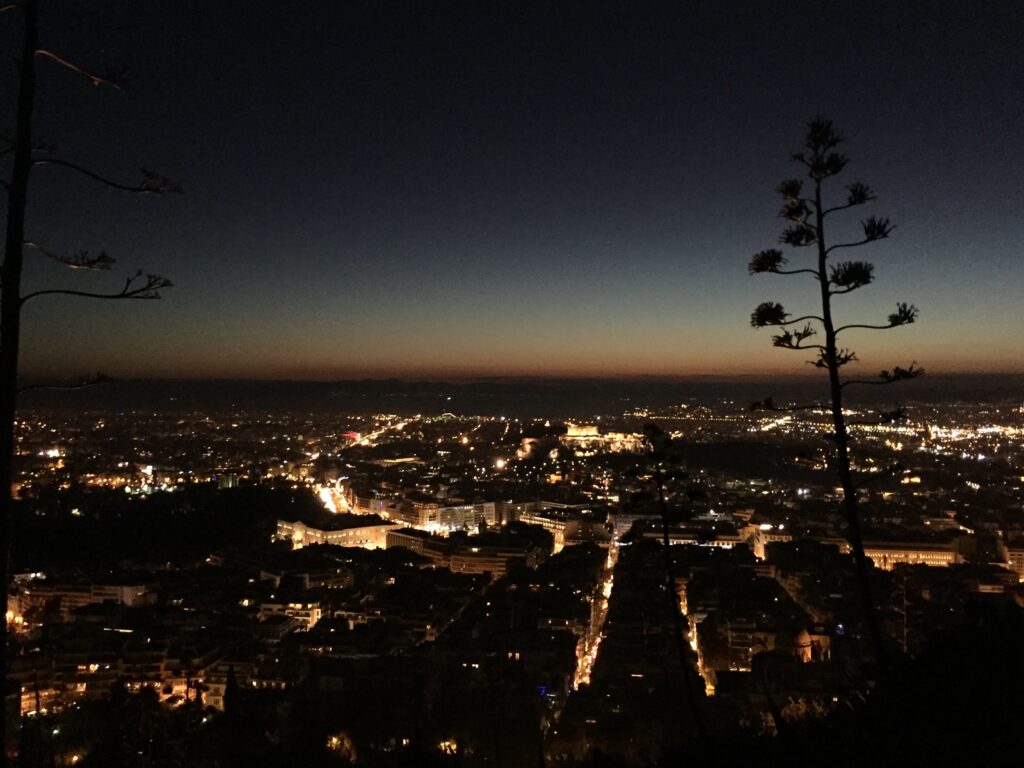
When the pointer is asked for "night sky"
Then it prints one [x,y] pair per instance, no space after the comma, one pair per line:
[483,188]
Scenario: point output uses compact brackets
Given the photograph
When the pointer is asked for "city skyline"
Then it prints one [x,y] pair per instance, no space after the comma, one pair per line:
[412,192]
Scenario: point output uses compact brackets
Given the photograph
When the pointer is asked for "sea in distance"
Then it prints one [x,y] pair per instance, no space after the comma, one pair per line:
[522,398]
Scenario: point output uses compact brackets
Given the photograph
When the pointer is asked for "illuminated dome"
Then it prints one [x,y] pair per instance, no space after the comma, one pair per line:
[797,643]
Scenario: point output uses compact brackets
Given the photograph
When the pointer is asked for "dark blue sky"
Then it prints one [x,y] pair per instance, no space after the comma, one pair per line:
[390,188]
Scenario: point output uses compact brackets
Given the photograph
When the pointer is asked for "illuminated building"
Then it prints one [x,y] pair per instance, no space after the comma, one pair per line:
[586,438]
[759,536]
[1015,557]
[345,531]
[75,672]
[487,553]
[426,513]
[720,534]
[368,503]
[260,672]
[888,554]
[568,526]
[68,597]
[621,522]
[420,511]
[307,614]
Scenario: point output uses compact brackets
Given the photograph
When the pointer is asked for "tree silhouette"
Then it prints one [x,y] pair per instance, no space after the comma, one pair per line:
[807,214]
[25,155]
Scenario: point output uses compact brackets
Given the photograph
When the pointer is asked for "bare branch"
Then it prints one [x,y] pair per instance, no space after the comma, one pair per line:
[819,347]
[902,374]
[800,158]
[90,380]
[905,314]
[813,272]
[796,210]
[889,377]
[853,244]
[772,260]
[858,194]
[842,328]
[799,236]
[794,339]
[152,182]
[782,343]
[80,260]
[770,313]
[115,78]
[874,229]
[802,319]
[842,357]
[133,289]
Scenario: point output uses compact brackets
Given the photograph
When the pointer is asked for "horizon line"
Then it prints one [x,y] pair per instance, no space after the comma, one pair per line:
[436,378]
